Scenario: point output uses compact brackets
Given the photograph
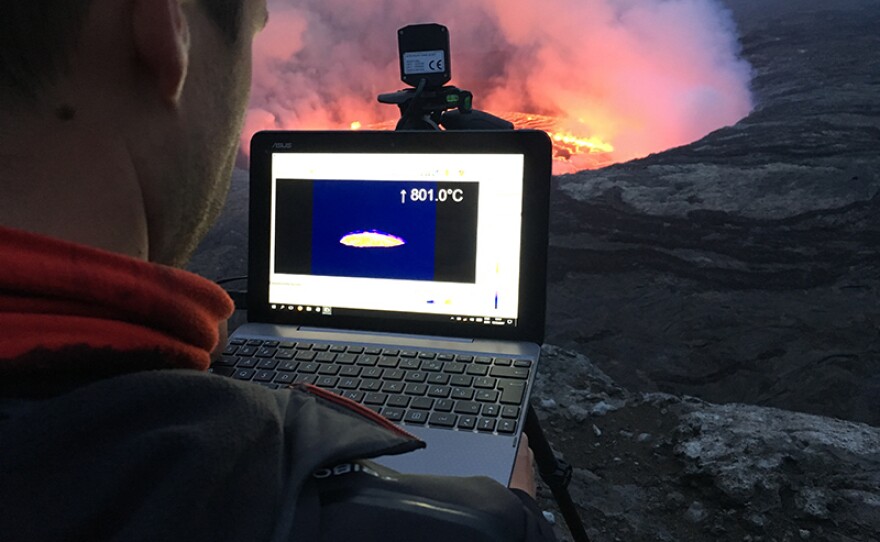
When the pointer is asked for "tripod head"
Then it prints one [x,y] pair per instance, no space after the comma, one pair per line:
[432,105]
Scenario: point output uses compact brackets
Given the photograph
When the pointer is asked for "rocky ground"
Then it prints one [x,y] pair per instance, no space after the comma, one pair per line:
[715,308]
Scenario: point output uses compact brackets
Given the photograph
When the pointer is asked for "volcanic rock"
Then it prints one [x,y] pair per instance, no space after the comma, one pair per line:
[746,266]
[662,467]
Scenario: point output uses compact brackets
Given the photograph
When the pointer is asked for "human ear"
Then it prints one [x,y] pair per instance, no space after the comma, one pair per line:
[161,42]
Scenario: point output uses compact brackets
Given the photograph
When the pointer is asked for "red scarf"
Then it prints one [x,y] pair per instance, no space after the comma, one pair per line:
[55,295]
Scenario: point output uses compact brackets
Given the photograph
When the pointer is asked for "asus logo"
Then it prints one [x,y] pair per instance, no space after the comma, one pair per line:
[282,145]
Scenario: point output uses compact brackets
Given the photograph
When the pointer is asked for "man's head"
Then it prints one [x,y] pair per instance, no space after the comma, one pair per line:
[38,36]
[153,90]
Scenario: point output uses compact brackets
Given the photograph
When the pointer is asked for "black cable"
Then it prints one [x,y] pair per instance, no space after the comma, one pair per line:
[556,473]
[221,282]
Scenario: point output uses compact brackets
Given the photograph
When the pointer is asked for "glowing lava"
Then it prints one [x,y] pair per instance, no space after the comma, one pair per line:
[371,239]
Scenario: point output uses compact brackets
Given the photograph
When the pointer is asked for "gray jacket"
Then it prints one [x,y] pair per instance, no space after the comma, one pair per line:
[182,455]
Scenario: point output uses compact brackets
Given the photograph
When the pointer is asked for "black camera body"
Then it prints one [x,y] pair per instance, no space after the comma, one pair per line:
[426,64]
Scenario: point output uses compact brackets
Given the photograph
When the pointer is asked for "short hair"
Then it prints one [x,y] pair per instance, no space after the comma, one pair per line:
[37,35]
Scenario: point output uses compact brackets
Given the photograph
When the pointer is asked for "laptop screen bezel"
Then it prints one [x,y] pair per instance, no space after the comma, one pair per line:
[533,145]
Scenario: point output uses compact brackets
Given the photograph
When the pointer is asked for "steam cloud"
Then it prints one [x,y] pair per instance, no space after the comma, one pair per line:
[643,75]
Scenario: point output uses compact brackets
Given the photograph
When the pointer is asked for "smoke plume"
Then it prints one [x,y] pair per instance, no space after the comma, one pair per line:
[639,75]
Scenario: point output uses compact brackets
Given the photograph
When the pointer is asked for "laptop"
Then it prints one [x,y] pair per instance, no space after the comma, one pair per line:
[405,271]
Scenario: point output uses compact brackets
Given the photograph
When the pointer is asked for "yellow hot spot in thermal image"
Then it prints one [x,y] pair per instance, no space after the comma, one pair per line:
[371,239]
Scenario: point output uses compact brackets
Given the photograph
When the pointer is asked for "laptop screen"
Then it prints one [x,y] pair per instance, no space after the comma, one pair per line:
[412,235]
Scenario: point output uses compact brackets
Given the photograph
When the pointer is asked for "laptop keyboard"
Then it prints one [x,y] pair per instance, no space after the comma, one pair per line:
[419,387]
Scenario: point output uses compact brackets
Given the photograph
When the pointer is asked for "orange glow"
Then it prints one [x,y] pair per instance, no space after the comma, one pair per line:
[609,81]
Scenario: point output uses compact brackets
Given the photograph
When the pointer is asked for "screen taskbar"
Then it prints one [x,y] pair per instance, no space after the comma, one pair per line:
[329,312]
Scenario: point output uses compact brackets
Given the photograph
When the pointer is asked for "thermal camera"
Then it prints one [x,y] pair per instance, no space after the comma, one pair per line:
[424,55]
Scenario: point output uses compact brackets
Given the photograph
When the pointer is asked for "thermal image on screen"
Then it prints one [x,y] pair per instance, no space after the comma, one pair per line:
[371,239]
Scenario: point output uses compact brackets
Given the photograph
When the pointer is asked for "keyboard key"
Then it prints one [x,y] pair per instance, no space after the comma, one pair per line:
[486,424]
[416,417]
[427,355]
[389,362]
[246,363]
[478,370]
[467,422]
[506,362]
[264,376]
[230,349]
[391,352]
[226,361]
[523,363]
[287,345]
[512,391]
[462,393]
[415,376]
[444,405]
[372,372]
[439,379]
[401,401]
[326,357]
[373,351]
[445,357]
[441,419]
[441,392]
[393,414]
[408,354]
[267,364]
[462,381]
[338,348]
[410,364]
[329,370]
[350,371]
[237,342]
[309,368]
[255,342]
[356,349]
[222,371]
[393,374]
[244,374]
[327,381]
[284,378]
[454,368]
[510,412]
[506,426]
[320,347]
[346,359]
[365,360]
[305,355]
[467,407]
[375,399]
[356,396]
[266,352]
[510,372]
[464,358]
[432,366]
[349,383]
[306,379]
[485,382]
[371,385]
[393,387]
[271,344]
[422,403]
[288,366]
[247,351]
[303,346]
[416,389]
[486,396]
[491,411]
[483,360]
[284,355]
